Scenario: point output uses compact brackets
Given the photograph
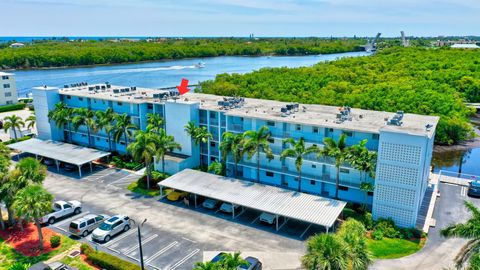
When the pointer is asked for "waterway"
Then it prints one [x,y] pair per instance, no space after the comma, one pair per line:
[170,73]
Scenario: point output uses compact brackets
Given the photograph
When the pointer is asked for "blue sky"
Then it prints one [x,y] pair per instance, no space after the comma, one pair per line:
[239,17]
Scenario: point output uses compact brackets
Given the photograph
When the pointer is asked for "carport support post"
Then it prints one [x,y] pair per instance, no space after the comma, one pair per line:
[91,167]
[276,222]
[80,170]
[195,196]
[58,165]
[327,229]
[233,211]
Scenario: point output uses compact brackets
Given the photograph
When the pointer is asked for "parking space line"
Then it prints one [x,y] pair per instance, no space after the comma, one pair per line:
[184,238]
[185,259]
[463,191]
[71,218]
[119,238]
[160,252]
[114,250]
[118,180]
[143,243]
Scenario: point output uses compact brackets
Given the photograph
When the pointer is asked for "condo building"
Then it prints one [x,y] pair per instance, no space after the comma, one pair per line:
[404,142]
[8,89]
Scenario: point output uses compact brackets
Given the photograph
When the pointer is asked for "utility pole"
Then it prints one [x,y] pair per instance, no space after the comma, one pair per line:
[140,242]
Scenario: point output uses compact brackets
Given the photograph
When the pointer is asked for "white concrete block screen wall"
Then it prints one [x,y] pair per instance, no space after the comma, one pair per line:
[8,89]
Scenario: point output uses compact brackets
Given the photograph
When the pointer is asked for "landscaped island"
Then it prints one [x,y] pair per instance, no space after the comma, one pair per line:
[415,80]
[76,53]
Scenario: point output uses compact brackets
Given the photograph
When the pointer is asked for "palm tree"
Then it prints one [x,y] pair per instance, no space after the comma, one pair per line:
[31,121]
[361,159]
[143,149]
[256,142]
[33,202]
[198,134]
[352,232]
[154,122]
[325,251]
[31,171]
[338,151]
[470,230]
[85,117]
[104,120]
[206,266]
[62,115]
[298,151]
[123,128]
[232,144]
[232,261]
[165,144]
[13,122]
[366,188]
[217,168]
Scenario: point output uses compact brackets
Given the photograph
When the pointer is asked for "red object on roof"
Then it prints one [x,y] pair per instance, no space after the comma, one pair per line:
[183,87]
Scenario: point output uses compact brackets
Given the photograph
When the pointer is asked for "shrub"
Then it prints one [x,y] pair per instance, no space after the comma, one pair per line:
[55,241]
[387,227]
[12,107]
[85,249]
[125,162]
[18,266]
[107,261]
[377,234]
[367,220]
[19,140]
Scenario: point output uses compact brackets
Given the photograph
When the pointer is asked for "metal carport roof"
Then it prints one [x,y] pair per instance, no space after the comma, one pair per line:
[291,204]
[69,153]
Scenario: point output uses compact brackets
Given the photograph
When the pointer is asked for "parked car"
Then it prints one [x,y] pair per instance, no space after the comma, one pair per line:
[220,256]
[228,207]
[113,226]
[48,162]
[176,195]
[474,189]
[62,209]
[51,266]
[267,218]
[251,264]
[85,225]
[210,204]
[69,167]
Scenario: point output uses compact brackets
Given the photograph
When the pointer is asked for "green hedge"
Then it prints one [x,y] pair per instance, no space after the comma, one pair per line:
[55,241]
[12,107]
[105,260]
[19,140]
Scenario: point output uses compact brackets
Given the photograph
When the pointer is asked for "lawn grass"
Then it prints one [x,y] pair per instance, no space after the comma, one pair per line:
[135,188]
[9,256]
[391,248]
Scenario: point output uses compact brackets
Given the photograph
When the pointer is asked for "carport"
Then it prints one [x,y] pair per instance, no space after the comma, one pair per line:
[274,200]
[60,152]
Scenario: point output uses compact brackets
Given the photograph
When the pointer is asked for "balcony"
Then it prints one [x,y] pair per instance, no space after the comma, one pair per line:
[236,127]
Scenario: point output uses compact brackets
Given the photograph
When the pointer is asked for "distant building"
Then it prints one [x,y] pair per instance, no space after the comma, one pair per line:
[8,89]
[465,46]
[17,45]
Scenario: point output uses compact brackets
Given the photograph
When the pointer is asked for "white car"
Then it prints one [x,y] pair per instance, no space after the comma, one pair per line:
[228,208]
[62,209]
[267,218]
[210,204]
[113,226]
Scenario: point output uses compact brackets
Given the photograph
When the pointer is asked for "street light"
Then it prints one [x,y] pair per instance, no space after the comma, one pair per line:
[140,242]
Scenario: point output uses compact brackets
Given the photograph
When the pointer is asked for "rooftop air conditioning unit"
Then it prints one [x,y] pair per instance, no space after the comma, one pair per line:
[284,112]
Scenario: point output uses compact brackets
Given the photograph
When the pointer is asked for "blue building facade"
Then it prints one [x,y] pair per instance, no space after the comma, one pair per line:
[404,141]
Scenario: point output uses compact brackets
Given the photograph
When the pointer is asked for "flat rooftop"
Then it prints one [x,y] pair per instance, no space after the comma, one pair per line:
[65,152]
[308,114]
[5,74]
[278,201]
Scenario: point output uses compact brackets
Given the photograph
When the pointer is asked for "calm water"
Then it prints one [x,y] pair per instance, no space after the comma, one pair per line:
[451,161]
[165,73]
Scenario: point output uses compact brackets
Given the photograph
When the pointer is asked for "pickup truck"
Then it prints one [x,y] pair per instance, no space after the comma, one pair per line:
[62,209]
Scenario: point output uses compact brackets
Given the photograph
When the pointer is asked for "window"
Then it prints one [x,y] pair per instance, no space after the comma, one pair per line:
[80,98]
[9,102]
[150,106]
[8,94]
[82,224]
[4,77]
[298,127]
[271,140]
[270,123]
[213,115]
[69,97]
[119,103]
[213,159]
[116,224]
[284,183]
[94,101]
[370,193]
[91,221]
[348,133]
[212,144]
[330,130]
[241,119]
[66,206]
[313,182]
[122,143]
[375,136]
[344,188]
[269,174]
[314,166]
[343,170]
[98,218]
[315,129]
[6,85]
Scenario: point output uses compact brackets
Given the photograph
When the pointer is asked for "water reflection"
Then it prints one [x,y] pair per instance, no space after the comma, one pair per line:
[466,161]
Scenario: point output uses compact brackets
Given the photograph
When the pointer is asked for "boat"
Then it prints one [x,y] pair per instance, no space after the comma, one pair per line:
[200,65]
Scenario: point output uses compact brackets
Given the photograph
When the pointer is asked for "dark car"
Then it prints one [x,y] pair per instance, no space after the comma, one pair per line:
[220,256]
[252,264]
[474,189]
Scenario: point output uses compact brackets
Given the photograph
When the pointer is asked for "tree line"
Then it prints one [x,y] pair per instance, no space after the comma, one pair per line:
[415,80]
[60,54]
